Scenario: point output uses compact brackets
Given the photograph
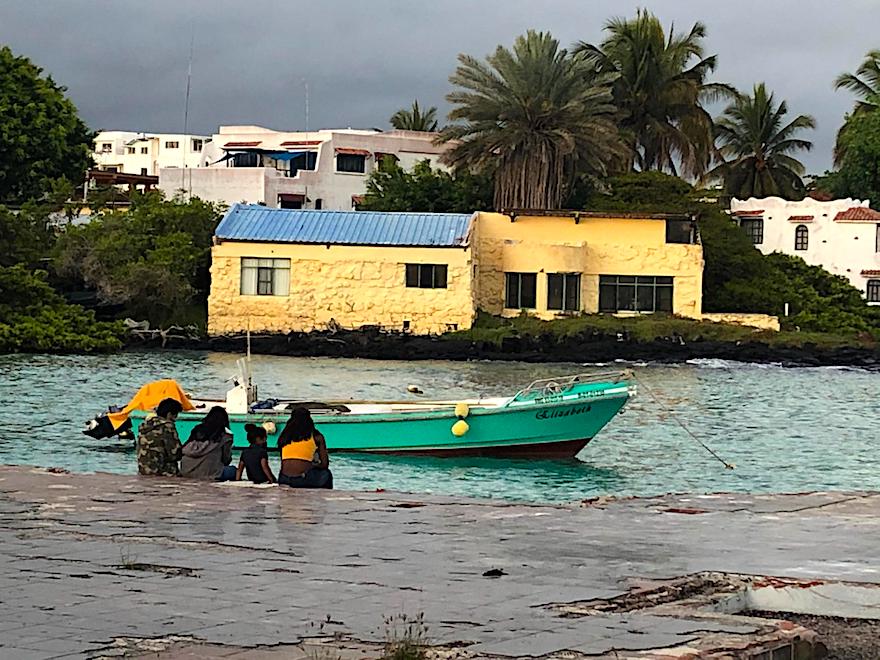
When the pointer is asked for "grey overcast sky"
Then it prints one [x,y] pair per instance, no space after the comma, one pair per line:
[125,62]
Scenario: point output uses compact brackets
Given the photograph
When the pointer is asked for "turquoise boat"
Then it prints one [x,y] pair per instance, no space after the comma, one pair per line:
[549,418]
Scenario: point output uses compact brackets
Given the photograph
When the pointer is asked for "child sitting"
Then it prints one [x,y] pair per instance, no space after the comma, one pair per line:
[255,459]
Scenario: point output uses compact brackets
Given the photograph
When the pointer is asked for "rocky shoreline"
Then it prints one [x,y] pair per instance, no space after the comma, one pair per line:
[595,348]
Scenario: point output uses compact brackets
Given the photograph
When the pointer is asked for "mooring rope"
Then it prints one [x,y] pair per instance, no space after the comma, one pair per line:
[729,466]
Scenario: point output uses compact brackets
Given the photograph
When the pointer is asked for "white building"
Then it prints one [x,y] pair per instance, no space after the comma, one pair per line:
[145,154]
[842,236]
[318,169]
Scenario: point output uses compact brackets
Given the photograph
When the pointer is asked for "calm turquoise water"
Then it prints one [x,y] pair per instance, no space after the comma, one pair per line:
[785,429]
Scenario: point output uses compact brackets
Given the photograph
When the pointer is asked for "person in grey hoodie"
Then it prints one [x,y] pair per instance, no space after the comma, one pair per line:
[208,452]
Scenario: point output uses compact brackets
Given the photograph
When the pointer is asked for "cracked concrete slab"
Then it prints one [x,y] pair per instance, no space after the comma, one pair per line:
[254,570]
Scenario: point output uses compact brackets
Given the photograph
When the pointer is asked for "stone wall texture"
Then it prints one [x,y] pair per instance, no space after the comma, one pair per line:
[354,286]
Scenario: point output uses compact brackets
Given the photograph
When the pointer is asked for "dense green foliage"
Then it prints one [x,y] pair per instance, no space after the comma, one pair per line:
[153,259]
[26,236]
[756,143]
[41,135]
[415,119]
[34,318]
[865,84]
[858,172]
[659,88]
[391,188]
[535,117]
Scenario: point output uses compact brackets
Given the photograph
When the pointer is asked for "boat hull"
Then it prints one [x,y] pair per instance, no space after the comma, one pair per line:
[553,450]
[555,426]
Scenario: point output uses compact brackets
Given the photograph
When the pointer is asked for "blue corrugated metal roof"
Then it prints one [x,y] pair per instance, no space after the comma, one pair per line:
[250,222]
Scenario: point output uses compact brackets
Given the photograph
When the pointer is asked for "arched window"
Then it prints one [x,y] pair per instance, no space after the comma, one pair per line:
[801,237]
[873,291]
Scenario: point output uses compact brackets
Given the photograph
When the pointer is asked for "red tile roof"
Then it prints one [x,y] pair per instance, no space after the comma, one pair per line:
[353,152]
[357,199]
[871,273]
[858,214]
[241,144]
[800,218]
[301,143]
[750,212]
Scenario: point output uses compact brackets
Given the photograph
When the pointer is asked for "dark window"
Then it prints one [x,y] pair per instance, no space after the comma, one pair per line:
[564,291]
[873,291]
[754,227]
[197,144]
[247,159]
[106,147]
[145,150]
[111,168]
[306,161]
[801,237]
[351,163]
[629,293]
[319,204]
[877,240]
[265,277]
[520,290]
[680,231]
[172,144]
[143,171]
[426,276]
[290,201]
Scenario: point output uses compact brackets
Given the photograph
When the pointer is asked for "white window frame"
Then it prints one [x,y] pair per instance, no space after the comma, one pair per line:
[261,276]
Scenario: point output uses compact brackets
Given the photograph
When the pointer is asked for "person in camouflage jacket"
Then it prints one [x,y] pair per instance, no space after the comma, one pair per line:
[158,446]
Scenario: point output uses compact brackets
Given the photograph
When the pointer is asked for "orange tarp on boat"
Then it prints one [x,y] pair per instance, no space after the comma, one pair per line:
[149,396]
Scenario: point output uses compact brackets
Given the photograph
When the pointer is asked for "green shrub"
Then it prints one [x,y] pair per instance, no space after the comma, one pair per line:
[34,318]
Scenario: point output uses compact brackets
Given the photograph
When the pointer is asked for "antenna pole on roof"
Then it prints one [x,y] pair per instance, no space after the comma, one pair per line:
[189,70]
[306,84]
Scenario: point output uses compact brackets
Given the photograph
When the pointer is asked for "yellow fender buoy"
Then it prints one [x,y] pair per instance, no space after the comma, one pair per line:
[462,410]
[460,428]
[270,427]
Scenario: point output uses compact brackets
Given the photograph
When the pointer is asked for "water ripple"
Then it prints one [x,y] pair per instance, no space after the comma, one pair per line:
[785,429]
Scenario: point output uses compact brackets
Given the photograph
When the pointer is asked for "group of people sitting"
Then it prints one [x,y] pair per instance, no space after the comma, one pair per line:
[207,454]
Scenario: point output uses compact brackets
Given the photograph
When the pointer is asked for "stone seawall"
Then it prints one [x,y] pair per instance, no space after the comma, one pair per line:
[374,344]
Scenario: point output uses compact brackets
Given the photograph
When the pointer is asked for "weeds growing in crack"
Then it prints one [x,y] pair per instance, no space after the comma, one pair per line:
[127,559]
[406,638]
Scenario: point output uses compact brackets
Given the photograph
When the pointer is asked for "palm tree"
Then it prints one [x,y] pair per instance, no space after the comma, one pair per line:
[753,137]
[535,117]
[660,91]
[414,119]
[865,84]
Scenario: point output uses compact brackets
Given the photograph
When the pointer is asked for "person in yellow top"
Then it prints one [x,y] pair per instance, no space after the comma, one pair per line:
[304,460]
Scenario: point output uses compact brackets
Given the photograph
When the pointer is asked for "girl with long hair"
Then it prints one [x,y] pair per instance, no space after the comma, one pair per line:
[304,459]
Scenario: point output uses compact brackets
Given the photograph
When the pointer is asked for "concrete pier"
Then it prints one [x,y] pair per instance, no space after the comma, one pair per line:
[104,566]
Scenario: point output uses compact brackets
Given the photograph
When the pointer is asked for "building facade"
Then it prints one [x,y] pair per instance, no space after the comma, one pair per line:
[552,265]
[324,169]
[144,154]
[283,270]
[842,236]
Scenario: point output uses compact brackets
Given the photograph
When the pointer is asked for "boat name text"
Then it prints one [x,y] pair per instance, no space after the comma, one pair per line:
[551,414]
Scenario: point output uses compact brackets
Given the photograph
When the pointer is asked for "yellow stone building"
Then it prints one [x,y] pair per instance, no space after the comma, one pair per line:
[299,270]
